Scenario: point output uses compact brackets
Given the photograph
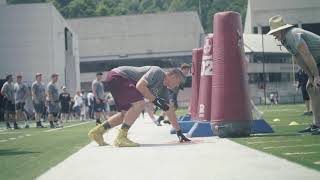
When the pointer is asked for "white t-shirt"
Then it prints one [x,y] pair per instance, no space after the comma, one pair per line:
[90,97]
[78,101]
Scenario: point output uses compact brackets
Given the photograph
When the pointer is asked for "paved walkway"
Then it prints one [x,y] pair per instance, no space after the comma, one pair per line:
[161,158]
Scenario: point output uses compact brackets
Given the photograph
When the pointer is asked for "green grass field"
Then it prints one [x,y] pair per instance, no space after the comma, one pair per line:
[27,153]
[285,142]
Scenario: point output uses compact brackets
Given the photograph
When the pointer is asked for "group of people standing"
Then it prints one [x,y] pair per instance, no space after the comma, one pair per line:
[16,94]
[49,104]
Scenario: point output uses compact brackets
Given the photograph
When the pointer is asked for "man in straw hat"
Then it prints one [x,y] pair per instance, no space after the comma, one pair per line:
[305,48]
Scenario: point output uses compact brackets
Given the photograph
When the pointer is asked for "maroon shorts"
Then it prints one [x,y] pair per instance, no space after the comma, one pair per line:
[123,90]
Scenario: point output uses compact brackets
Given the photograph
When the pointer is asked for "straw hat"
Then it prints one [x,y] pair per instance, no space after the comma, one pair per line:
[277,24]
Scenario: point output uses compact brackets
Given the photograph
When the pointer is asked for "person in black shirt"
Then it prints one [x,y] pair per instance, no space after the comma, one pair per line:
[65,103]
[302,79]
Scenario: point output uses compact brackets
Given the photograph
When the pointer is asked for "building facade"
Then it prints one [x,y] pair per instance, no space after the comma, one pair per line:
[35,38]
[303,14]
[164,39]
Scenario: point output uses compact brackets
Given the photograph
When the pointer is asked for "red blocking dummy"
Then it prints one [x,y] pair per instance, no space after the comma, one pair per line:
[230,115]
[204,104]
[195,72]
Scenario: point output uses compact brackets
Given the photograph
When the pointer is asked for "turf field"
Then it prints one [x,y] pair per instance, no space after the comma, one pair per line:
[286,142]
[27,153]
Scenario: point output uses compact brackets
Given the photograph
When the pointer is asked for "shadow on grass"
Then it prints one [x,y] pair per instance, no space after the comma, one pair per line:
[14,152]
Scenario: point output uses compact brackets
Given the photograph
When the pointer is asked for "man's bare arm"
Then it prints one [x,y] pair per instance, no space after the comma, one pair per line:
[173,117]
[302,65]
[308,59]
[142,87]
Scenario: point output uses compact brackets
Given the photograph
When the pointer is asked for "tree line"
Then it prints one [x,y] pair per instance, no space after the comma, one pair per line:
[92,8]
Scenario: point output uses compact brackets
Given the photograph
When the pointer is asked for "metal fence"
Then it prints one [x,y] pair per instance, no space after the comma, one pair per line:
[289,99]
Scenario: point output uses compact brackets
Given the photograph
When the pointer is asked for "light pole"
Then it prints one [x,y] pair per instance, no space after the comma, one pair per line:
[264,70]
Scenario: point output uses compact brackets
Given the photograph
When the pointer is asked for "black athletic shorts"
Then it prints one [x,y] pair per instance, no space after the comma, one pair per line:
[65,108]
[39,107]
[98,107]
[304,92]
[9,106]
[20,106]
[113,107]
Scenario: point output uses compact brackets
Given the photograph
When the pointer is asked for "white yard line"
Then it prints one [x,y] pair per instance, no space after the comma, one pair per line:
[317,162]
[11,132]
[280,110]
[50,130]
[261,142]
[302,145]
[28,135]
[299,153]
[302,124]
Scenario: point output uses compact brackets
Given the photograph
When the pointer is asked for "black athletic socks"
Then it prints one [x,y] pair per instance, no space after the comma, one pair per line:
[8,125]
[125,126]
[51,124]
[106,125]
[98,121]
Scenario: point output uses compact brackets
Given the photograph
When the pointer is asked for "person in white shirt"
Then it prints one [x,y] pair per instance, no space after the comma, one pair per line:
[90,98]
[78,103]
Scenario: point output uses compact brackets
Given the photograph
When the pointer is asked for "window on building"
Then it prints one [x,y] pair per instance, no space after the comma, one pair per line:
[315,27]
[188,82]
[279,77]
[271,58]
[265,29]
[255,78]
[66,31]
[274,77]
[255,30]
[165,62]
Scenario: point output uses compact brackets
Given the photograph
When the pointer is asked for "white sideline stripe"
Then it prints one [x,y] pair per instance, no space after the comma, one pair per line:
[279,147]
[50,130]
[317,162]
[261,142]
[299,153]
[280,110]
[11,132]
[302,124]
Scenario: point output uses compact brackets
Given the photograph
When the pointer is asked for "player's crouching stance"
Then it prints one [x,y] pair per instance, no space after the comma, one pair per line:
[129,86]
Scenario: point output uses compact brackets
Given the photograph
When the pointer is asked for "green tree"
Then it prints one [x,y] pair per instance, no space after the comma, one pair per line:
[87,8]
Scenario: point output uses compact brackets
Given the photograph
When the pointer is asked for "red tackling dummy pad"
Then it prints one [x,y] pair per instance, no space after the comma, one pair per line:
[204,102]
[231,114]
[195,72]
